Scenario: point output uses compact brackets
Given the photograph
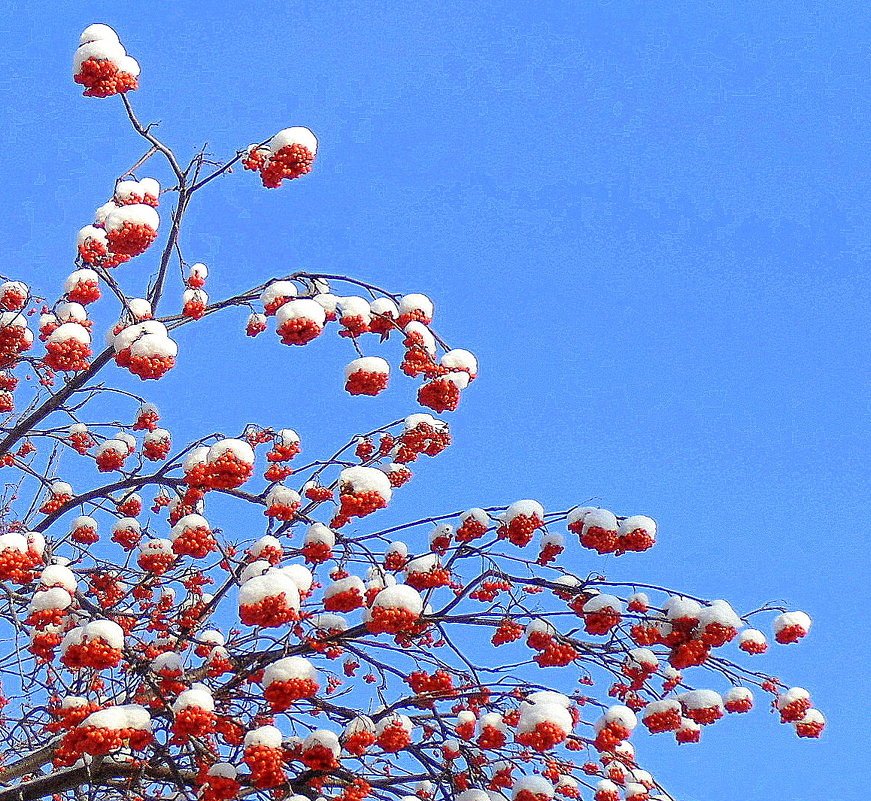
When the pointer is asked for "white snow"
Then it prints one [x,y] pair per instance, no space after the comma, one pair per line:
[301,309]
[126,716]
[535,784]
[318,532]
[365,479]
[702,699]
[54,575]
[272,584]
[239,448]
[198,696]
[267,736]
[297,135]
[367,364]
[637,522]
[400,596]
[277,290]
[53,598]
[787,619]
[603,601]
[98,32]
[416,302]
[460,359]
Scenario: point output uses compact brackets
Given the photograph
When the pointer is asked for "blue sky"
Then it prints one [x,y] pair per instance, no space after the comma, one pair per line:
[650,224]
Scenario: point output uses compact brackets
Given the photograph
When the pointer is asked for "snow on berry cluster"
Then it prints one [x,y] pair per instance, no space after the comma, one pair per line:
[123,227]
[289,154]
[101,63]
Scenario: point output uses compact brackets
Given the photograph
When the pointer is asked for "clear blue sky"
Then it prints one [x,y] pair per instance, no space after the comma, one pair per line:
[650,223]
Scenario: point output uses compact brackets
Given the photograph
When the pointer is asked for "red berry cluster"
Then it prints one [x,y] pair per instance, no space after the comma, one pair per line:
[358,742]
[519,529]
[316,552]
[13,341]
[93,653]
[85,292]
[281,694]
[67,356]
[394,737]
[290,162]
[318,757]
[150,367]
[436,577]
[357,504]
[440,395]
[391,621]
[422,439]
[192,721]
[156,563]
[102,78]
[601,621]
[542,737]
[299,331]
[269,612]
[266,766]
[366,382]
[507,631]
[130,239]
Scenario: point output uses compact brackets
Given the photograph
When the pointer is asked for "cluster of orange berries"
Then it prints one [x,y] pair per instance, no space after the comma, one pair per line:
[391,621]
[102,78]
[439,684]
[345,601]
[196,542]
[220,788]
[426,580]
[440,395]
[424,439]
[156,563]
[270,611]
[357,790]
[556,654]
[192,721]
[69,355]
[490,589]
[13,295]
[228,471]
[316,552]
[394,737]
[93,653]
[507,631]
[14,340]
[366,382]
[106,588]
[85,535]
[157,449]
[68,717]
[266,765]
[288,163]
[357,504]
[318,757]
[358,742]
[100,741]
[16,565]
[395,560]
[542,737]
[317,493]
[605,535]
[110,459]
[281,694]
[519,529]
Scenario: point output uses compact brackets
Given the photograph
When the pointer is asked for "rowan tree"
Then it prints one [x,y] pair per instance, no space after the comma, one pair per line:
[149,652]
